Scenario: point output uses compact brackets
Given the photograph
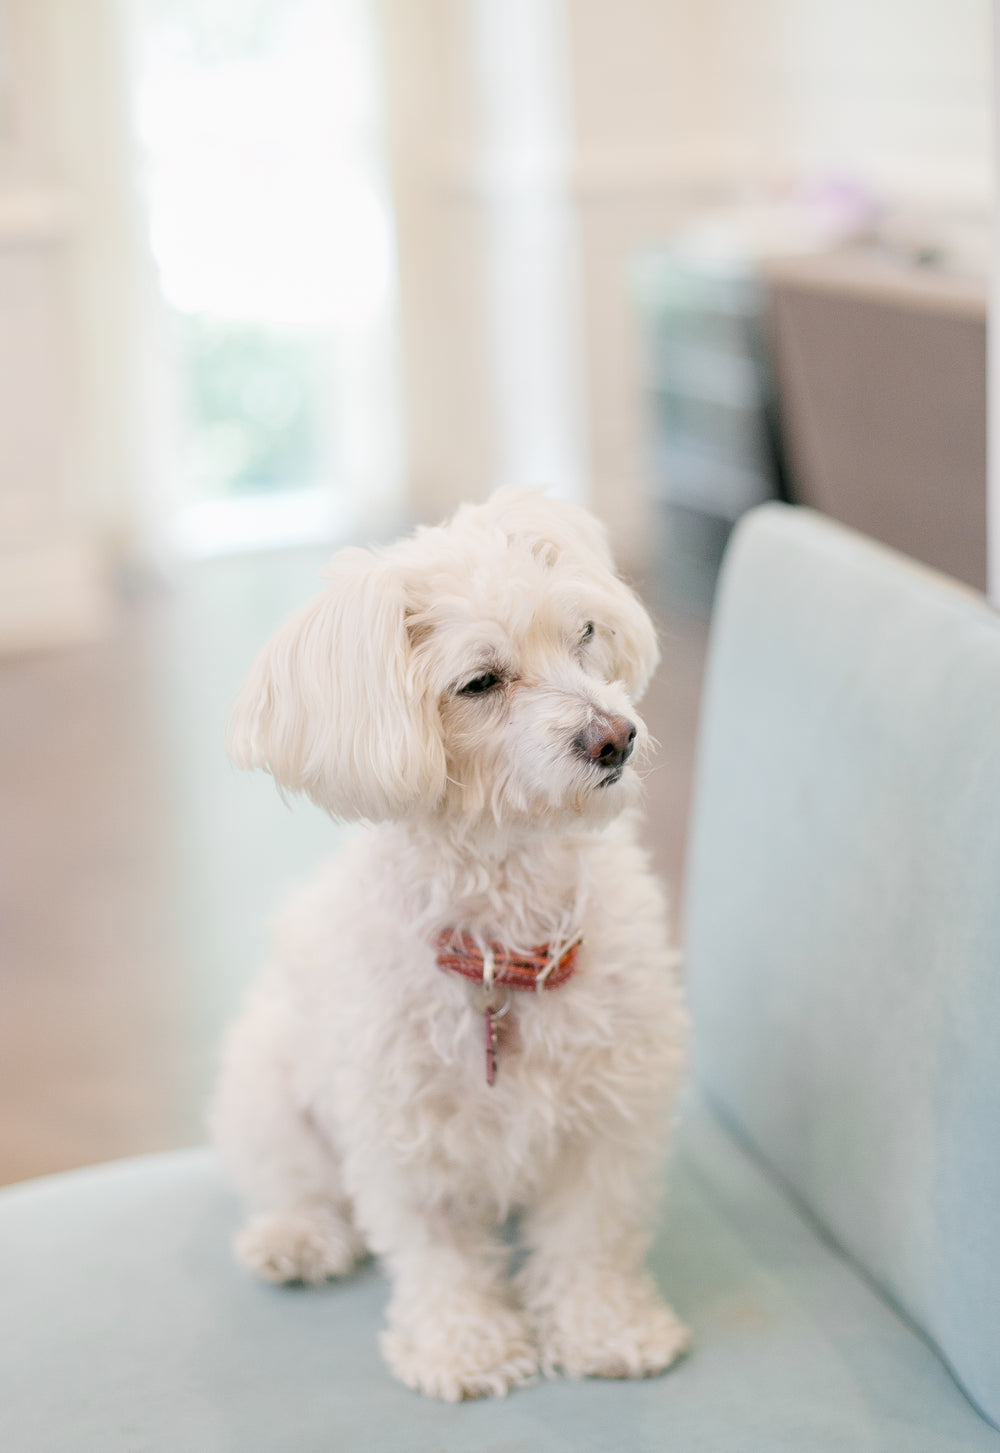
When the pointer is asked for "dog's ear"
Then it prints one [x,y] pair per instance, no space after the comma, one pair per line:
[558,531]
[334,706]
[634,651]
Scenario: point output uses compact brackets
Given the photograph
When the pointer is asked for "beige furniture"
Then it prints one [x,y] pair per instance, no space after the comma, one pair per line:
[882,380]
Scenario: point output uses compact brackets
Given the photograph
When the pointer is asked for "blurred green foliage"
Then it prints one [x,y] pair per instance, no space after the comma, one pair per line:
[252,405]
[215,30]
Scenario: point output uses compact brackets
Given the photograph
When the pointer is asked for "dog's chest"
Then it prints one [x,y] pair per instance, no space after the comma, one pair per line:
[397,1060]
[571,1063]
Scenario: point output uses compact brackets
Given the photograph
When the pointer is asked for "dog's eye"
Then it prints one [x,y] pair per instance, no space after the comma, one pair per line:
[479,684]
[587,631]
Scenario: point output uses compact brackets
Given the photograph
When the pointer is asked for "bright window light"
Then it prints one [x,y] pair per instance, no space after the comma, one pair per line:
[272,234]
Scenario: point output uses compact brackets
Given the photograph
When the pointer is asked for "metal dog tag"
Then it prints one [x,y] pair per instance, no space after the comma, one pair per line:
[492,1045]
[493,1009]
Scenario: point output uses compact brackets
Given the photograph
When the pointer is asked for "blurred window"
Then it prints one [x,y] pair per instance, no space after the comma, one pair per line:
[270,225]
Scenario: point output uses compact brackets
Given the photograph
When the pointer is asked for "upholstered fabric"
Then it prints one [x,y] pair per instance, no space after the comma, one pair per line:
[844,909]
[125,1327]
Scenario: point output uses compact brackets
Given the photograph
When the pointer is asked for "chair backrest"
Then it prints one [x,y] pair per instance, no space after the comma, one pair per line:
[843,909]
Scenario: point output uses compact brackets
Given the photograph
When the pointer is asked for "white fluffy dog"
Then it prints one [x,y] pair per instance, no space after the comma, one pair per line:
[468,692]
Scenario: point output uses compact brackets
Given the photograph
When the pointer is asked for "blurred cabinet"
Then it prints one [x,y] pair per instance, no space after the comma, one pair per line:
[712,435]
[852,380]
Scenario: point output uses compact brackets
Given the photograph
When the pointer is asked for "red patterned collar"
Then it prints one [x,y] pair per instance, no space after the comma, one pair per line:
[498,969]
[533,969]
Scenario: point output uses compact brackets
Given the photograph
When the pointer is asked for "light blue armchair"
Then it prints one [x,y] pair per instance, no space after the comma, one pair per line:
[833,1226]
[844,950]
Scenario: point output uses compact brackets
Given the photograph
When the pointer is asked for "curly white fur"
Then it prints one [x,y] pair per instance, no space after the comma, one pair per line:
[353,1110]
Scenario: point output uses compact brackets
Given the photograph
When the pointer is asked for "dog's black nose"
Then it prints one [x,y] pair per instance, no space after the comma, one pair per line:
[607,741]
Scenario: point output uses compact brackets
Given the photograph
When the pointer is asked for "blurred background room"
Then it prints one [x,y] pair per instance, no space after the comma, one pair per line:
[280,275]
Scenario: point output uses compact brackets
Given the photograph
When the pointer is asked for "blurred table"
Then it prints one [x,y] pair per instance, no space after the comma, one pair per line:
[881,371]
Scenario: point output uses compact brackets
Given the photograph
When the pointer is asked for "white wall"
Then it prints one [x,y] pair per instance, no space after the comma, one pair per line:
[902,90]
[518,336]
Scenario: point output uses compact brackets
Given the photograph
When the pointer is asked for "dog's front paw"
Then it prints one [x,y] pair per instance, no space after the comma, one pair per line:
[610,1326]
[473,1350]
[308,1244]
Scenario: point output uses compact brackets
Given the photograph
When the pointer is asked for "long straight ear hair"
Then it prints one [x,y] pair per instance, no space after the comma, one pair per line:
[332,706]
[635,651]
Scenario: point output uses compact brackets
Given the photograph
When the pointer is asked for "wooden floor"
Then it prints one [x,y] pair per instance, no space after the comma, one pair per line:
[138,870]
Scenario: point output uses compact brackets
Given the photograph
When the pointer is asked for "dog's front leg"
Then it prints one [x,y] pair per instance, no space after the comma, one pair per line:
[595,1308]
[453,1330]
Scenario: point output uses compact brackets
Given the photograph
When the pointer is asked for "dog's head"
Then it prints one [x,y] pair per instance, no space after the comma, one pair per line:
[488,666]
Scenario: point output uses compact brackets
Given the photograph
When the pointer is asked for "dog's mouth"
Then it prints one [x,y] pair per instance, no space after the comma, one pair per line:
[613,776]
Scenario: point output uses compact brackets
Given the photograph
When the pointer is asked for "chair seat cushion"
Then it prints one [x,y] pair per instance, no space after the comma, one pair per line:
[126,1325]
